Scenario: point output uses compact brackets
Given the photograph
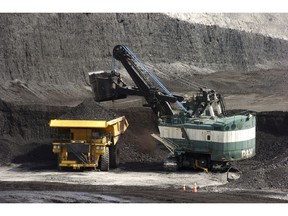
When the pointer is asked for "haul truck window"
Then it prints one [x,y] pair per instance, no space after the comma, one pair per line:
[61,134]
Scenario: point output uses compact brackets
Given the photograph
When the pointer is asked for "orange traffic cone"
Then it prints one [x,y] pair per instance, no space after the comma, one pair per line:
[194,189]
[184,188]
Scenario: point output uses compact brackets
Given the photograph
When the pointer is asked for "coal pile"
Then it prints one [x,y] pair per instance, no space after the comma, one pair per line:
[269,167]
[25,135]
[271,148]
[137,144]
[89,110]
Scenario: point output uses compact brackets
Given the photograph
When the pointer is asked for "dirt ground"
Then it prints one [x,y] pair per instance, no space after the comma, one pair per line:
[147,185]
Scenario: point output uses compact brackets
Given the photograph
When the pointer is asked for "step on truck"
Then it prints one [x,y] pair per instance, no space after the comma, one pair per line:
[88,143]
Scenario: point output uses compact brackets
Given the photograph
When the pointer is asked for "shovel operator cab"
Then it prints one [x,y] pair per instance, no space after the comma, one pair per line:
[88,143]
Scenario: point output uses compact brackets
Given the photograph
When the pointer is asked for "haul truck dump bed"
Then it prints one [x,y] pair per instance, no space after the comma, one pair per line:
[88,143]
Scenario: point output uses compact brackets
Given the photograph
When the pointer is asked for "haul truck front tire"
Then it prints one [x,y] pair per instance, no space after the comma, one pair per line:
[114,156]
[59,159]
[104,160]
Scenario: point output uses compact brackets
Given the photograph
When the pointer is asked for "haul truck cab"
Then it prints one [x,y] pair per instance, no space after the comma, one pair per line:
[88,143]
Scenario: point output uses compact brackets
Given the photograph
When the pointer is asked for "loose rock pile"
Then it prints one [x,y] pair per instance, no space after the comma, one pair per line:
[137,144]
[89,110]
[269,167]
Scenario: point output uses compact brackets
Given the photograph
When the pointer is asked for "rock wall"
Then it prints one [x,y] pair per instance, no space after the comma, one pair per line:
[47,56]
[25,133]
[273,122]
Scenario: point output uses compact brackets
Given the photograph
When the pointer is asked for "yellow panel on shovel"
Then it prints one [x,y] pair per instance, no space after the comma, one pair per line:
[78,123]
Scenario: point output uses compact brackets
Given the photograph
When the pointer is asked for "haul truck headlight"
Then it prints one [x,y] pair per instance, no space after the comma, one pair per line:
[100,149]
[56,149]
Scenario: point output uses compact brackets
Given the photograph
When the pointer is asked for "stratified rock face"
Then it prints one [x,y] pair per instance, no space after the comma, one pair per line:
[48,56]
[274,25]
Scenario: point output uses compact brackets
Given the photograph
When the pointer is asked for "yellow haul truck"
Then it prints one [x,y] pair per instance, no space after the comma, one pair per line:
[88,143]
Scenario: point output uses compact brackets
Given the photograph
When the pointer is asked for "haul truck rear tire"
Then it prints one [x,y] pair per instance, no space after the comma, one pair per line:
[59,159]
[114,156]
[104,160]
